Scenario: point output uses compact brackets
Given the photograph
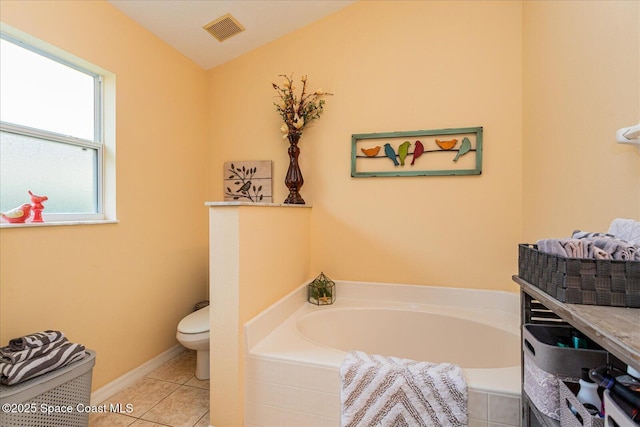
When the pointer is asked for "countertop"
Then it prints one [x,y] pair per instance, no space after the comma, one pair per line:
[278,205]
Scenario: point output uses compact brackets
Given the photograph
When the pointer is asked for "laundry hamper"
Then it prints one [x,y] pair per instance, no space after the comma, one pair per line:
[57,398]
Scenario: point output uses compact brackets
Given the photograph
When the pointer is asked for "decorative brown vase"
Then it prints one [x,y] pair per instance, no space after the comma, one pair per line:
[293,180]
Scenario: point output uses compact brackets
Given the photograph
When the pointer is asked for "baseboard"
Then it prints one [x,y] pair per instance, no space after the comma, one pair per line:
[124,381]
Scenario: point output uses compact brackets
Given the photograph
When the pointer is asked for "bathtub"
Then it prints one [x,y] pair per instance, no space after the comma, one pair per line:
[295,349]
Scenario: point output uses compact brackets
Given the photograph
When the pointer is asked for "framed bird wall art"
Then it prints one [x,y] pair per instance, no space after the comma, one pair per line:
[452,151]
[248,181]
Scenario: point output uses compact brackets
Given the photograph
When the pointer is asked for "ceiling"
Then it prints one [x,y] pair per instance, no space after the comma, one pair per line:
[179,23]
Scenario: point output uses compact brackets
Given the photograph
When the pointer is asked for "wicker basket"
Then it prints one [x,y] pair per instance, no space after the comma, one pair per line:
[581,281]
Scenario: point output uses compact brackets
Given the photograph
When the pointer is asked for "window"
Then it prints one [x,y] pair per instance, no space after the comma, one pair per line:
[51,132]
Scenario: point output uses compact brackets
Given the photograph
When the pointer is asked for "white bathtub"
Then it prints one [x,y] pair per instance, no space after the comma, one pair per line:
[294,349]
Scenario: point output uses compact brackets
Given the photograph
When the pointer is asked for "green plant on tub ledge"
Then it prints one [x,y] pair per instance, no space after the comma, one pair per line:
[321,291]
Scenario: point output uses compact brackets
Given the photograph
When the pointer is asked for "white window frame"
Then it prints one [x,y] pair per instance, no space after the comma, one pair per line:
[104,132]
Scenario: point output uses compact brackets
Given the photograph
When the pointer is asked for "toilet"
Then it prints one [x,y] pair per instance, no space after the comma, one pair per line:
[193,333]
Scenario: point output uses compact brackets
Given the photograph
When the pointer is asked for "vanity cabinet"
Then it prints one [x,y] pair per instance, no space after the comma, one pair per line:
[616,329]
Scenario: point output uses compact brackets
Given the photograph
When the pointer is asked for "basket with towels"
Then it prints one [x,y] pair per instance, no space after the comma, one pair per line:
[588,267]
[36,354]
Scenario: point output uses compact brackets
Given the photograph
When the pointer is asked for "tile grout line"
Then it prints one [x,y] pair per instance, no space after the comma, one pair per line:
[180,386]
[160,401]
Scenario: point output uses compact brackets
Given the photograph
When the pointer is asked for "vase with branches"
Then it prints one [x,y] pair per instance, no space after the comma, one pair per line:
[297,112]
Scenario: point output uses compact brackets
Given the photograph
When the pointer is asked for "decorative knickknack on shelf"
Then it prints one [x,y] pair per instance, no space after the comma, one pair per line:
[248,181]
[22,213]
[296,114]
[322,290]
[293,179]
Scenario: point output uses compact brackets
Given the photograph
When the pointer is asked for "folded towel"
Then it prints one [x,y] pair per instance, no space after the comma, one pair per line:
[626,229]
[574,248]
[597,253]
[594,247]
[37,339]
[9,356]
[13,373]
[388,391]
[617,249]
[578,234]
[551,246]
[631,253]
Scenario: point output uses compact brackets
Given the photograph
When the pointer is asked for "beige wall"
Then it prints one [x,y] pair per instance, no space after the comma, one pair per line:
[550,82]
[119,289]
[581,83]
[392,66]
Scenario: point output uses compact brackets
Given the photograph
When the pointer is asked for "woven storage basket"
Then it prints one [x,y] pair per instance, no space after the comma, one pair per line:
[581,281]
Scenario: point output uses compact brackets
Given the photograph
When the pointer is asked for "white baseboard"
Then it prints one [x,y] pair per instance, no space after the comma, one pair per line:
[124,381]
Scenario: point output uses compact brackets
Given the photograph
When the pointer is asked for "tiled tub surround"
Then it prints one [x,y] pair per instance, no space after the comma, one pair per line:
[291,380]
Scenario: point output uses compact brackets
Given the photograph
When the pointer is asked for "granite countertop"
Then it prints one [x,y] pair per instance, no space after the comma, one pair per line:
[227,203]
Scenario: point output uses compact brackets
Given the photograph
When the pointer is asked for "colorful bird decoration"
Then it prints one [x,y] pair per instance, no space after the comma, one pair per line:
[446,145]
[417,151]
[17,215]
[371,152]
[390,153]
[403,150]
[465,147]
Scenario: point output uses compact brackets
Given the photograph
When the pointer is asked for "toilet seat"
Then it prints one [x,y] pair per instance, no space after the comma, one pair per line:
[196,322]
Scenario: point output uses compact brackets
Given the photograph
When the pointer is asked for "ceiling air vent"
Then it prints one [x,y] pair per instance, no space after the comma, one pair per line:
[224,27]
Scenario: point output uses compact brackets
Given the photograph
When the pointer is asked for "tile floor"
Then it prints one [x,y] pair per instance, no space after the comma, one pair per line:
[169,396]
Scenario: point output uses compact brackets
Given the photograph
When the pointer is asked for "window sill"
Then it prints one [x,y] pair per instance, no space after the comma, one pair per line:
[57,223]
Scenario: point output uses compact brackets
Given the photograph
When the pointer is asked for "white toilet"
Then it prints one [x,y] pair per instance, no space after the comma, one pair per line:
[193,333]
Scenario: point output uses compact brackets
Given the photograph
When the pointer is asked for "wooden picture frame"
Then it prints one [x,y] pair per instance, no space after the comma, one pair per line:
[437,152]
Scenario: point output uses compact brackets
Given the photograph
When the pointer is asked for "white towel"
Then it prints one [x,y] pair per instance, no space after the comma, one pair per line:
[388,391]
[626,229]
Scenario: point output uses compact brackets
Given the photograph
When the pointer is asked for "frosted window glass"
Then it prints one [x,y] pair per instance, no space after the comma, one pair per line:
[41,93]
[66,174]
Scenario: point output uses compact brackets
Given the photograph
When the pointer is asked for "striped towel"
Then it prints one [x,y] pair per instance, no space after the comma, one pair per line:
[37,339]
[9,356]
[392,392]
[62,355]
[579,234]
